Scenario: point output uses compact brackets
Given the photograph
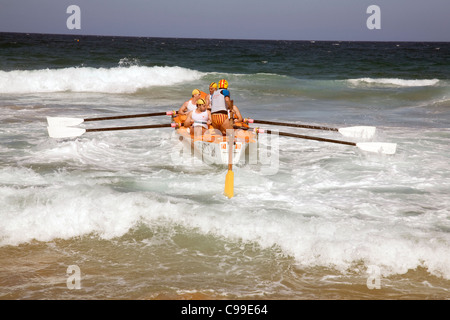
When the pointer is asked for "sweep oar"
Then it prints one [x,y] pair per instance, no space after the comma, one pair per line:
[229,178]
[377,147]
[365,132]
[67,122]
[71,132]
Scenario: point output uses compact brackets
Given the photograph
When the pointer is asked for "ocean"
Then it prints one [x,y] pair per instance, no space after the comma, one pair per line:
[111,215]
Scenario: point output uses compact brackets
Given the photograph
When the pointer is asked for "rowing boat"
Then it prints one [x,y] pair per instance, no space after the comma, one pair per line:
[213,147]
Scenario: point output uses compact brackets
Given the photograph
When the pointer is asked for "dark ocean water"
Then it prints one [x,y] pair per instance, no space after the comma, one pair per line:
[328,223]
[298,59]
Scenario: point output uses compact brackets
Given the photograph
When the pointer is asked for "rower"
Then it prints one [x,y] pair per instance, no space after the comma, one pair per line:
[237,114]
[190,105]
[200,118]
[220,104]
[212,89]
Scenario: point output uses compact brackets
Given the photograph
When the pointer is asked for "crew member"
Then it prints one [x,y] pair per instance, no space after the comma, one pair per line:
[220,104]
[190,105]
[200,118]
[212,89]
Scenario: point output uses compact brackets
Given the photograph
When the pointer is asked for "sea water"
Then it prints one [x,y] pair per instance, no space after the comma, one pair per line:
[111,215]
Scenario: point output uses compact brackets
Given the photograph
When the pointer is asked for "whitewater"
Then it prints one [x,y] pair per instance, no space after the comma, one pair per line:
[140,225]
[114,80]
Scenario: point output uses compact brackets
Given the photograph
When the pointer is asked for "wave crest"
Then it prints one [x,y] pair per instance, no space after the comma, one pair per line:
[394,82]
[85,79]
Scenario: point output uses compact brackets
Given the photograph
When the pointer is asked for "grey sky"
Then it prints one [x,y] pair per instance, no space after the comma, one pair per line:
[401,20]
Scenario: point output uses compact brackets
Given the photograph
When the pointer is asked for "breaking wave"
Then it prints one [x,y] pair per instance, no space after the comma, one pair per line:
[394,82]
[88,79]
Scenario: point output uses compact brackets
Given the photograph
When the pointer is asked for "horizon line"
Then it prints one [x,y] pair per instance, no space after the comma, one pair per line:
[208,38]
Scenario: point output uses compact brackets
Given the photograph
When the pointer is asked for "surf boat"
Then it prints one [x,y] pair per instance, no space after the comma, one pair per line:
[213,147]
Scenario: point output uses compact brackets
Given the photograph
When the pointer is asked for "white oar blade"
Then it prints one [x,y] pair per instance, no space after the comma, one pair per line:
[63,121]
[363,132]
[65,132]
[378,147]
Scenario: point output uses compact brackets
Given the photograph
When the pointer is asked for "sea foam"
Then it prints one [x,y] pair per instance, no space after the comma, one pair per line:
[87,79]
[394,82]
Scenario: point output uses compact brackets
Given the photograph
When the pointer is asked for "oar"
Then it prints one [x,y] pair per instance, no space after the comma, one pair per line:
[377,147]
[229,178]
[71,132]
[364,132]
[67,122]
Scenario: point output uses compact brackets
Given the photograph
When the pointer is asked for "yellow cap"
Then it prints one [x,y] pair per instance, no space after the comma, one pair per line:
[213,84]
[195,91]
[201,101]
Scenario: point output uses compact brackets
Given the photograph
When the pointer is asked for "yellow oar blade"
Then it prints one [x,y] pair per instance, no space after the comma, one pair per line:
[229,184]
[229,179]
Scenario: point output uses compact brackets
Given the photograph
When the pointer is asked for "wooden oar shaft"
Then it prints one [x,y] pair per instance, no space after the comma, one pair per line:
[154,114]
[377,147]
[231,141]
[131,127]
[287,134]
[295,125]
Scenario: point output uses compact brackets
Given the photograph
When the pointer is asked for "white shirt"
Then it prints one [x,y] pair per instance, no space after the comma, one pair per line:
[200,119]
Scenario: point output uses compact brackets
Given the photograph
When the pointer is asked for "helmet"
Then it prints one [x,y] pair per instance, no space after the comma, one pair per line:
[201,101]
[213,84]
[223,84]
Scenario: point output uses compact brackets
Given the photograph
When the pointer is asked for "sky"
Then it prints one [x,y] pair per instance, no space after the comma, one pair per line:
[333,20]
